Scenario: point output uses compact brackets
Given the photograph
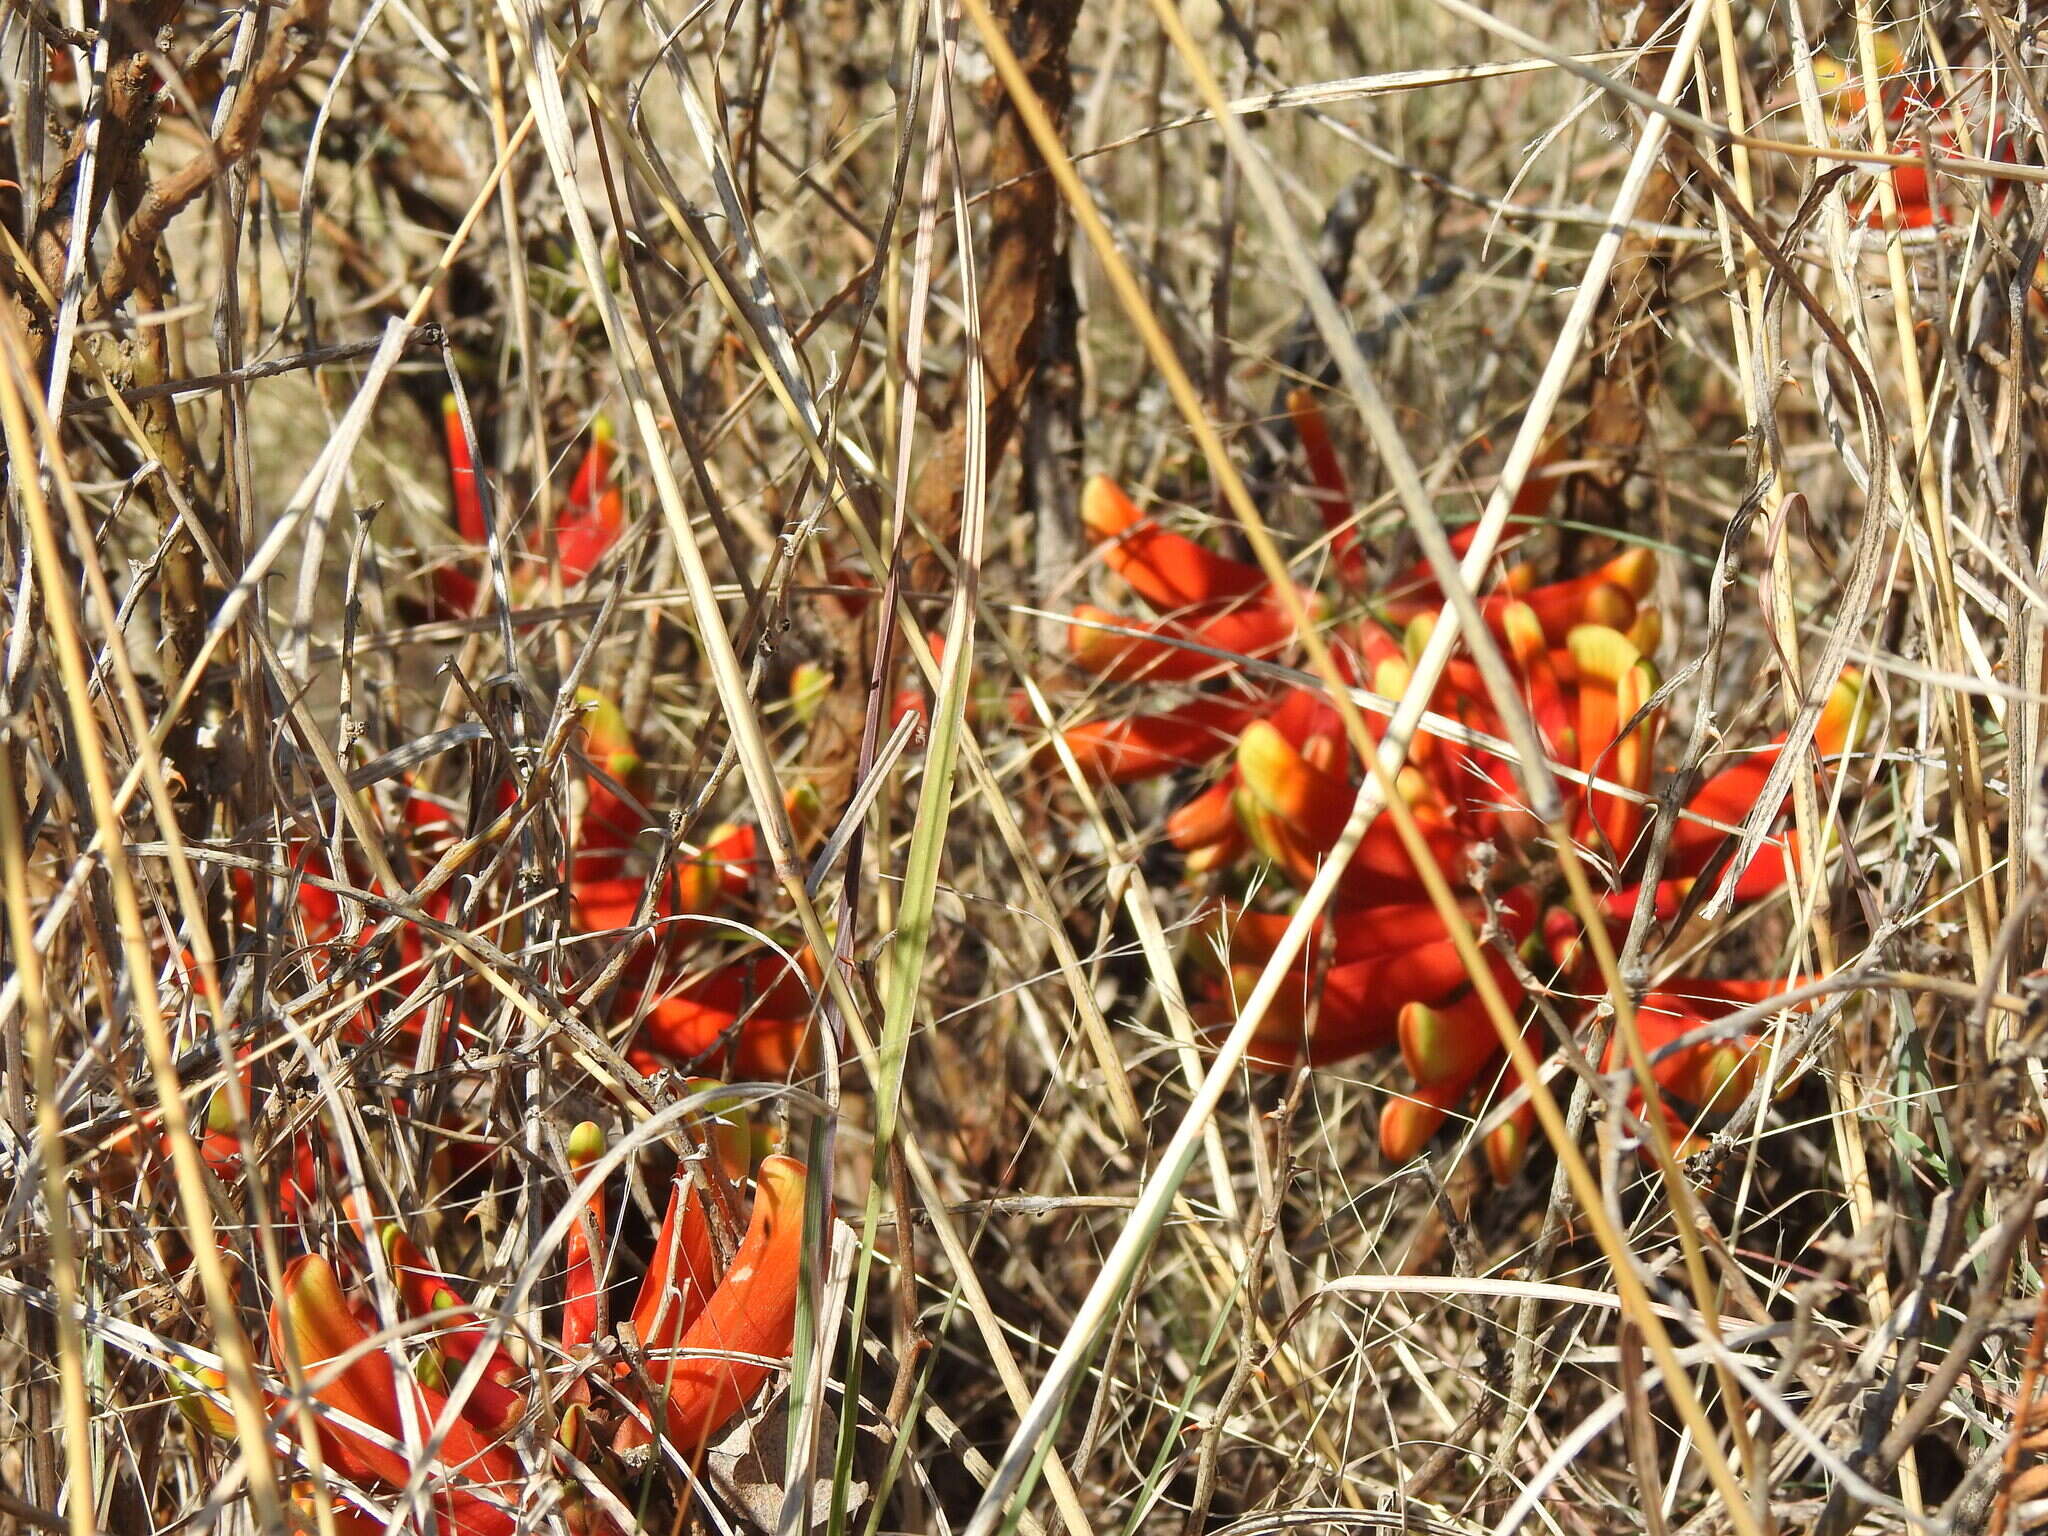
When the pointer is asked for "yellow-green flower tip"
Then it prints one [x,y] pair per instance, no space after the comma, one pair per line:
[1405,1128]
[1600,651]
[586,1144]
[1506,1150]
[1634,570]
[1427,1044]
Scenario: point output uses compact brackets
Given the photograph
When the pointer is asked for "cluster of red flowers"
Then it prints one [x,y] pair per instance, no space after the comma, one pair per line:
[743,1014]
[1382,968]
[687,996]
[703,1339]
[1381,971]
[1920,115]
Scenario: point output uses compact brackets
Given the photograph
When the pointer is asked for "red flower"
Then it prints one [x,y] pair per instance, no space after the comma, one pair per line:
[475,1481]
[588,525]
[742,1027]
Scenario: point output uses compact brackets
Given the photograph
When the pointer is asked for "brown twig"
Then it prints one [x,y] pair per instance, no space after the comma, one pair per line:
[295,38]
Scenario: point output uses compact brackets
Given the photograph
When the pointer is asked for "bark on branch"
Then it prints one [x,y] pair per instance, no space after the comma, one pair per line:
[1018,283]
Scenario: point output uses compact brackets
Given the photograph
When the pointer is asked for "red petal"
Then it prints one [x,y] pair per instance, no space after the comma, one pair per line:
[469,502]
[753,1312]
[1128,651]
[584,1246]
[1142,746]
[1333,490]
[1169,571]
[683,1271]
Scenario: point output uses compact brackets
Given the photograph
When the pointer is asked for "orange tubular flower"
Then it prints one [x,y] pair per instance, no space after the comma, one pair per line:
[1726,800]
[707,883]
[751,1314]
[604,900]
[609,824]
[1206,829]
[1162,650]
[681,1277]
[751,1017]
[1145,746]
[1357,934]
[1333,487]
[1212,601]
[1294,811]
[1609,595]
[494,1405]
[1710,1075]
[1170,572]
[595,516]
[1730,795]
[1911,96]
[469,500]
[1358,1005]
[1615,682]
[1409,1118]
[580,1290]
[1839,78]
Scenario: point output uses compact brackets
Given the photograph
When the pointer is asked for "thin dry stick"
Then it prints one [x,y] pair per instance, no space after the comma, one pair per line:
[82,1490]
[1973,839]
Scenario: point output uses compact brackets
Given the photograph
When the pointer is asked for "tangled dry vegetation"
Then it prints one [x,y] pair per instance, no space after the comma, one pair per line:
[633,901]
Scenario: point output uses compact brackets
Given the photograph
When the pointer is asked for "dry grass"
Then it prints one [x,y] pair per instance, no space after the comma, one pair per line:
[1067,1222]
